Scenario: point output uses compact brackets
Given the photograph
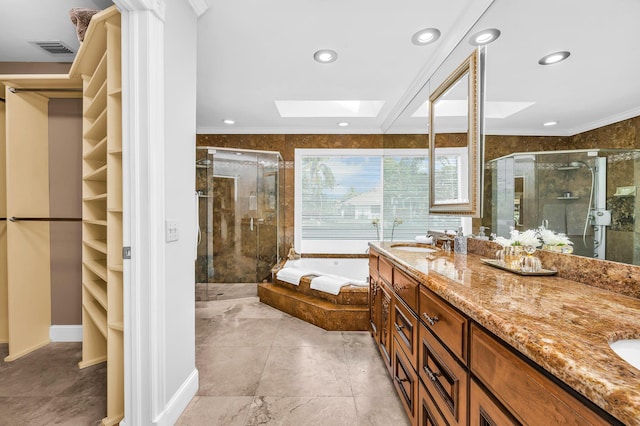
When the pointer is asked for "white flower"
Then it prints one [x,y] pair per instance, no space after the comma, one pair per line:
[551,238]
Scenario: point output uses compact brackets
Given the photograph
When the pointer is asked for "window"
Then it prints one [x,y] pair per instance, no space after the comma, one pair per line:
[348,197]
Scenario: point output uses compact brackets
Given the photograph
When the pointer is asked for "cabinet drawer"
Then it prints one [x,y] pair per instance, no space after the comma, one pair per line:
[428,414]
[385,269]
[446,323]
[530,397]
[405,380]
[406,288]
[375,311]
[444,378]
[483,410]
[405,330]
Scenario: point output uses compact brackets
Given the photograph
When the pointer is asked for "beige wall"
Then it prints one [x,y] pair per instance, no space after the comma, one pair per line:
[65,200]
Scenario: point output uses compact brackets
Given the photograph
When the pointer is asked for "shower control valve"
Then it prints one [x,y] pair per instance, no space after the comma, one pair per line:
[602,217]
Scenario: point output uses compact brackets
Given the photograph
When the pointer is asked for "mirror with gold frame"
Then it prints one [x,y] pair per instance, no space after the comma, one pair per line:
[455,141]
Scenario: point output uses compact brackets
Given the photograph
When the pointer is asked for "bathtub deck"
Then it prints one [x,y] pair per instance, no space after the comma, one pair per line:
[348,311]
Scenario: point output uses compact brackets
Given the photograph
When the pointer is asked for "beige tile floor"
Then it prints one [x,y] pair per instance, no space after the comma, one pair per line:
[259,366]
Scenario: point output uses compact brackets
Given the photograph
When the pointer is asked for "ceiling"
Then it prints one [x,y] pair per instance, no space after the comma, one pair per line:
[248,61]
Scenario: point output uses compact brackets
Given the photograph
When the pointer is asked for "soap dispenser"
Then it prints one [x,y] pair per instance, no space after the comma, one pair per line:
[460,242]
[482,235]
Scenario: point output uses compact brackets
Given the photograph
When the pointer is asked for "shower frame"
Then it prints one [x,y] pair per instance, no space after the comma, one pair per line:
[246,219]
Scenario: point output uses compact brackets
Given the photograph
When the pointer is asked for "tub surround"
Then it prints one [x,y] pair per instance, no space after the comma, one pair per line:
[346,311]
[561,325]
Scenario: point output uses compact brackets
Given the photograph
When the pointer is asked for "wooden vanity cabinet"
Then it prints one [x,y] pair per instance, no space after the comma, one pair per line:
[526,393]
[484,410]
[405,330]
[374,298]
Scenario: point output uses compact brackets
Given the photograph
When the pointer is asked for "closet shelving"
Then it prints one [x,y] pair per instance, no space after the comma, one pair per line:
[98,63]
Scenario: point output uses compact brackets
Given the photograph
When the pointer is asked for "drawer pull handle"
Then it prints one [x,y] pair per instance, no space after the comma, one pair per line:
[399,380]
[399,327]
[431,320]
[433,376]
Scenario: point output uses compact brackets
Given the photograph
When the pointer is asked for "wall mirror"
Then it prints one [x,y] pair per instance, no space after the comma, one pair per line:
[455,147]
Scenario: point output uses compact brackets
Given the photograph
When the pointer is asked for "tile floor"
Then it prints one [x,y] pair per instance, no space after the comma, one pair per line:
[46,387]
[257,365]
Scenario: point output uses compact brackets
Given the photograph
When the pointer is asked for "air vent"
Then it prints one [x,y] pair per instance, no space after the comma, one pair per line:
[54,47]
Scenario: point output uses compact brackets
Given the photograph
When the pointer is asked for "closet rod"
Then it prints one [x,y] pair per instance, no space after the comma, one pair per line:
[2,100]
[45,219]
[57,89]
[3,218]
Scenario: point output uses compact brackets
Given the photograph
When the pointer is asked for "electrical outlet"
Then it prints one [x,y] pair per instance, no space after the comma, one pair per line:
[171,227]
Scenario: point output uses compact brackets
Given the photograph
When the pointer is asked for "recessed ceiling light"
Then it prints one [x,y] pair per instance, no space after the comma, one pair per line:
[554,58]
[550,123]
[484,37]
[325,56]
[229,122]
[426,36]
[343,124]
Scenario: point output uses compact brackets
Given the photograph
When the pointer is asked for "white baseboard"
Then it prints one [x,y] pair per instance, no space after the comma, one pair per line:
[178,403]
[65,333]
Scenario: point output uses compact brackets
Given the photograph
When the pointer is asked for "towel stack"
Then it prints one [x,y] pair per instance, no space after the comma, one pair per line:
[423,239]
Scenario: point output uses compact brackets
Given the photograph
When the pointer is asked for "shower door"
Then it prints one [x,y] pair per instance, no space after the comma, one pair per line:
[238,193]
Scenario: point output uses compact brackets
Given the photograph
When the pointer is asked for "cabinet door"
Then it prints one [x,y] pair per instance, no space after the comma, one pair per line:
[484,411]
[386,305]
[428,414]
[405,330]
[445,379]
[374,306]
[405,380]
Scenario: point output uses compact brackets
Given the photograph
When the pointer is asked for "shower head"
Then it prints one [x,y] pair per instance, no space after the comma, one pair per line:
[203,162]
[579,164]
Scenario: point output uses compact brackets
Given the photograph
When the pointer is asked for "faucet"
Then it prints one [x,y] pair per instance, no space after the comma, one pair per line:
[292,255]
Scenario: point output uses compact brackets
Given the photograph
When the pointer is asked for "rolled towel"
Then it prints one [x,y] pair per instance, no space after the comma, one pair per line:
[423,239]
[329,284]
[292,275]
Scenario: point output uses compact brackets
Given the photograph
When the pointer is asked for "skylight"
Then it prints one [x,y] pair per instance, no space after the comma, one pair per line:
[329,108]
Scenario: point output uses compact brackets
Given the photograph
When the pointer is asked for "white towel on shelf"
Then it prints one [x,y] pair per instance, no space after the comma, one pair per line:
[329,283]
[423,239]
[292,275]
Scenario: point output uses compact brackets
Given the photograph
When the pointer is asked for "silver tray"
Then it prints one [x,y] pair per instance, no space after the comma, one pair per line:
[499,265]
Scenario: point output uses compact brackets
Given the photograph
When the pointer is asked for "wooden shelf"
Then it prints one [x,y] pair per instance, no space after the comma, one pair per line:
[99,245]
[97,175]
[98,152]
[98,222]
[98,128]
[118,326]
[98,268]
[97,104]
[99,197]
[98,316]
[98,290]
[115,268]
[98,78]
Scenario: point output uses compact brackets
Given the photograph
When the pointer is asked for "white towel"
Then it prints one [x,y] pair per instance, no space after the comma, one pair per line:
[329,284]
[423,239]
[292,275]
[357,283]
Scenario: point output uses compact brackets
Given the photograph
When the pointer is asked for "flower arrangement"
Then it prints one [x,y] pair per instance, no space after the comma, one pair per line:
[535,238]
[525,238]
[551,238]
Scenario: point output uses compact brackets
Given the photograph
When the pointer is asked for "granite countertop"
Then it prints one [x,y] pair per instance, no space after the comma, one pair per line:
[562,325]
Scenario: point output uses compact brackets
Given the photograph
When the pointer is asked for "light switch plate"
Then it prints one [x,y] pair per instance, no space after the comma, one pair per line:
[171,227]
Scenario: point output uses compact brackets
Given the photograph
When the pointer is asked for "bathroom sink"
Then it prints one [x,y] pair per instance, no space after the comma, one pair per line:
[629,350]
[414,248]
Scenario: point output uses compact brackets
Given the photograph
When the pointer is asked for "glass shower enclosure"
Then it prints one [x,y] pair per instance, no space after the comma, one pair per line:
[589,195]
[240,223]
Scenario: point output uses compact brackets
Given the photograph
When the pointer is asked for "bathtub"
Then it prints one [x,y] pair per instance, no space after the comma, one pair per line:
[354,269]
